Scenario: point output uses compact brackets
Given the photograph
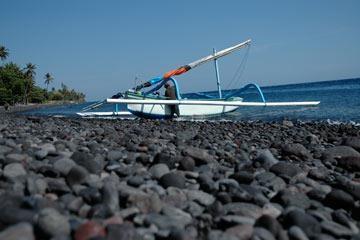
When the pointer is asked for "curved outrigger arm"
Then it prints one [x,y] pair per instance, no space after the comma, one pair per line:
[254,85]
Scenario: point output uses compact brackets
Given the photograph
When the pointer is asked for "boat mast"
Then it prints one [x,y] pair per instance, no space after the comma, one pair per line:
[217,74]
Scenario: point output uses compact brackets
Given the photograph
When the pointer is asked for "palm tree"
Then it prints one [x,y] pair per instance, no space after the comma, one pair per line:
[29,70]
[29,73]
[4,53]
[48,80]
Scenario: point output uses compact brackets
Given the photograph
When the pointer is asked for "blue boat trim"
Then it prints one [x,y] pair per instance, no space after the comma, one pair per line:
[177,90]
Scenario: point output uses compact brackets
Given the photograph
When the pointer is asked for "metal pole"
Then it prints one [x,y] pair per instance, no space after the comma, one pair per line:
[116,109]
[217,74]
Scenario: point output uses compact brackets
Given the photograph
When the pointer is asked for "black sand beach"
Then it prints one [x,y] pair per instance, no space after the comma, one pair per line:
[141,179]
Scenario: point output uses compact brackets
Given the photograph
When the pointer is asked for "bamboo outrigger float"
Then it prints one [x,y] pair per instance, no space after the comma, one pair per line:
[150,105]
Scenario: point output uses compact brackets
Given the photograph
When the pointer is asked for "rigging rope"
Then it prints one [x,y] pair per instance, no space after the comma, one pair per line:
[239,71]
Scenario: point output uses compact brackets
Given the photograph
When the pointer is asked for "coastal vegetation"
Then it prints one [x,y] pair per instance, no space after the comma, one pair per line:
[18,85]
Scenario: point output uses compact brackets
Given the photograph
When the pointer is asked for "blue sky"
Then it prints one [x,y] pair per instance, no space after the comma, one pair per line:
[99,47]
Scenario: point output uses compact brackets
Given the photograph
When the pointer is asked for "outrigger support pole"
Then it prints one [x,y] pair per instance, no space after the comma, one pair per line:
[217,74]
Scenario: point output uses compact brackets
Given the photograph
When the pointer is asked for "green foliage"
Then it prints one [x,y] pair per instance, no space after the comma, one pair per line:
[18,85]
[56,96]
[67,95]
[4,53]
[37,95]
[48,80]
[5,96]
[12,79]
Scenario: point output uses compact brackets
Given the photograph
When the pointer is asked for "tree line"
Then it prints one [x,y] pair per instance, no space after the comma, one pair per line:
[17,85]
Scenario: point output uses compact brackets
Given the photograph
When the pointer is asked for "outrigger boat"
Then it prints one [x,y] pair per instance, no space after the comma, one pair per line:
[149,104]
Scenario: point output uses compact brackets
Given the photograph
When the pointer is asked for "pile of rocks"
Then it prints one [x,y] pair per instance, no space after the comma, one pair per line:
[141,179]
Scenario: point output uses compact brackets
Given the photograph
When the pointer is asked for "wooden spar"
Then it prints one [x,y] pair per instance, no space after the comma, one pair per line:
[219,54]
[203,60]
[211,103]
[89,114]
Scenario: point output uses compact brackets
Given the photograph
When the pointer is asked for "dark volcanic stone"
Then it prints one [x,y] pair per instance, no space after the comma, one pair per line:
[353,142]
[292,198]
[271,181]
[265,158]
[21,231]
[124,231]
[49,171]
[64,165]
[316,194]
[242,232]
[135,181]
[284,169]
[243,209]
[41,154]
[206,183]
[341,216]
[269,223]
[87,161]
[114,155]
[336,229]
[99,211]
[14,170]
[201,156]
[110,195]
[91,195]
[350,186]
[10,199]
[175,218]
[223,197]
[180,234]
[216,209]
[36,185]
[305,221]
[57,185]
[15,158]
[339,152]
[5,149]
[158,170]
[338,198]
[243,177]
[185,135]
[173,180]
[187,164]
[296,149]
[324,236]
[320,173]
[262,233]
[296,233]
[143,158]
[77,175]
[165,158]
[350,163]
[12,215]
[200,197]
[52,223]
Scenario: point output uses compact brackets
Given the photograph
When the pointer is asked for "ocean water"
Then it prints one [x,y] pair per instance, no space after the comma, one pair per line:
[340,102]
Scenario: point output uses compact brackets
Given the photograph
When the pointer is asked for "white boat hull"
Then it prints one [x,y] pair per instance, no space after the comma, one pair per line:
[163,111]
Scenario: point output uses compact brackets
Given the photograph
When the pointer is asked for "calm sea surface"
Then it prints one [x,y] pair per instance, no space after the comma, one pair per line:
[340,101]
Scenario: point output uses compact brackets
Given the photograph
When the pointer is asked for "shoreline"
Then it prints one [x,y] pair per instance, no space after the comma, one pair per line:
[18,108]
[178,179]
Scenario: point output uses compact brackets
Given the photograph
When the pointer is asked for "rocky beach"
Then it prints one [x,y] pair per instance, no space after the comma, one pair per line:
[68,178]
